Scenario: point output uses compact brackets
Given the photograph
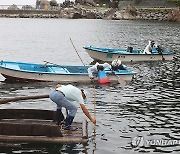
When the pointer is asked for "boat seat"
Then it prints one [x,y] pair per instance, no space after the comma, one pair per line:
[27,114]
[33,68]
[58,70]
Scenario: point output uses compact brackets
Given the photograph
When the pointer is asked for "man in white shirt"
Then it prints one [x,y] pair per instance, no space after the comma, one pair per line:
[148,49]
[69,97]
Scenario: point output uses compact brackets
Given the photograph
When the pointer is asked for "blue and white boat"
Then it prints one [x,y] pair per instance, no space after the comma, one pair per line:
[30,72]
[126,55]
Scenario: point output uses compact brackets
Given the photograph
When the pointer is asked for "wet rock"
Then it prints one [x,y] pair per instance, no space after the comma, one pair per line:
[131,10]
[122,14]
[129,13]
[77,15]
[174,15]
[90,15]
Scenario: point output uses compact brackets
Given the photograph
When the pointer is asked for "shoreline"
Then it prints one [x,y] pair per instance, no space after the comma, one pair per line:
[130,13]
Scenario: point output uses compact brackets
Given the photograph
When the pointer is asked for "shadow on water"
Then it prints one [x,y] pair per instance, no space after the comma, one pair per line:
[40,148]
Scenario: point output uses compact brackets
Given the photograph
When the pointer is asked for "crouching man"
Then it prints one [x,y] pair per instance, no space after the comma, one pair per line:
[69,96]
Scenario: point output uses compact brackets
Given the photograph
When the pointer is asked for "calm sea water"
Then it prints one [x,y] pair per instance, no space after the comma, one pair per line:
[146,111]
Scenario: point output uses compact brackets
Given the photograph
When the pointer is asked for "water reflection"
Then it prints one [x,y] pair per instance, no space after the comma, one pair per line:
[148,106]
[41,148]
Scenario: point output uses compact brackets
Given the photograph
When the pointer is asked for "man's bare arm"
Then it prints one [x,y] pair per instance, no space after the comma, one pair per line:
[86,112]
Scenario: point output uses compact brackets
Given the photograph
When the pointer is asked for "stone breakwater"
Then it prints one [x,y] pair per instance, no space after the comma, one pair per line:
[159,14]
[97,13]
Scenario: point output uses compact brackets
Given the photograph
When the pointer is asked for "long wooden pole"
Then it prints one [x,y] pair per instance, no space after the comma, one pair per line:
[94,102]
[94,110]
[14,99]
[94,85]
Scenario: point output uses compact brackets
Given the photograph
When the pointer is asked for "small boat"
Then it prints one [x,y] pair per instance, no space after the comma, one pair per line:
[126,55]
[37,126]
[31,72]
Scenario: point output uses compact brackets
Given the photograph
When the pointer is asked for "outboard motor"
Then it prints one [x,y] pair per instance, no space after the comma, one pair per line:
[159,49]
[130,49]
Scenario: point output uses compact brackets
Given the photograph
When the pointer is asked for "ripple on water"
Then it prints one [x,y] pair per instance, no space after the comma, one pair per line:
[148,106]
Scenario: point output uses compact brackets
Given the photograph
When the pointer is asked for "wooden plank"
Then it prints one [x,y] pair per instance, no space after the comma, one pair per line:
[26,114]
[41,139]
[68,136]
[37,130]
[29,129]
[7,100]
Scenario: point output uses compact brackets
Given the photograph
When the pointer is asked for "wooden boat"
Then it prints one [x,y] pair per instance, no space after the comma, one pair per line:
[126,55]
[28,72]
[37,126]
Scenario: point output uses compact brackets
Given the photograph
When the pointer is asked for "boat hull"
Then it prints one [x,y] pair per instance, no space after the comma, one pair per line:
[109,57]
[25,76]
[14,75]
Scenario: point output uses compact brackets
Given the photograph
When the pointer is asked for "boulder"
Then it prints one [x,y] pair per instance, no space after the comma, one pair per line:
[90,15]
[174,15]
[131,10]
[77,15]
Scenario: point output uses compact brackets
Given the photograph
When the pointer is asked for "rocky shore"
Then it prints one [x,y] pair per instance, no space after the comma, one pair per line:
[78,12]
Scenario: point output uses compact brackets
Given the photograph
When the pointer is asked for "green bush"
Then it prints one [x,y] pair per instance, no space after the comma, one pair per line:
[137,1]
[177,2]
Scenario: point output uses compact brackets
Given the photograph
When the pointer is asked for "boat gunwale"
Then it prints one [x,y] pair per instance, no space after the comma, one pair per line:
[126,72]
[128,53]
[30,71]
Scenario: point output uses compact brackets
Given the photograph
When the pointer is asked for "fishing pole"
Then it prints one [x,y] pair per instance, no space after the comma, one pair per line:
[77,53]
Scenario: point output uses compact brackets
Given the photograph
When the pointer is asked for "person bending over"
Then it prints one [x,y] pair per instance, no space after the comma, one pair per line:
[69,96]
[115,66]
